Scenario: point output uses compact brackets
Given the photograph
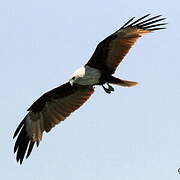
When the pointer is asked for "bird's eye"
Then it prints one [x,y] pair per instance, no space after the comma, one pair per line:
[73,78]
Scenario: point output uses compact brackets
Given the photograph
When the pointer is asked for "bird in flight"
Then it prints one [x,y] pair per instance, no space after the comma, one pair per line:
[54,106]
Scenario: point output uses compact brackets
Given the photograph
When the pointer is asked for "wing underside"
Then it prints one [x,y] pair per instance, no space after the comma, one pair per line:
[49,110]
[111,51]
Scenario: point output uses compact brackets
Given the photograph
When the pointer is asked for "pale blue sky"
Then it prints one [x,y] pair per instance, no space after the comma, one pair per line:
[134,133]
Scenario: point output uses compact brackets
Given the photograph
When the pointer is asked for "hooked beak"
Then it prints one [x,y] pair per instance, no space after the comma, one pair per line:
[71,81]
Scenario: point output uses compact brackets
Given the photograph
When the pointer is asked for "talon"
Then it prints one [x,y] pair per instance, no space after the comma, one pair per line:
[107,90]
[110,87]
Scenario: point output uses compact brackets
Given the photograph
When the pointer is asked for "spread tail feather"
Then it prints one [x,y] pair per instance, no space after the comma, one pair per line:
[126,83]
[120,82]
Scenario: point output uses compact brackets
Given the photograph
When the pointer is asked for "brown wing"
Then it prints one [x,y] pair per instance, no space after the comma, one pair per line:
[49,110]
[110,52]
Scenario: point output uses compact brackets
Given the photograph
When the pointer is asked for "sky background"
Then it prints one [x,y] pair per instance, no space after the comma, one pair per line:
[131,134]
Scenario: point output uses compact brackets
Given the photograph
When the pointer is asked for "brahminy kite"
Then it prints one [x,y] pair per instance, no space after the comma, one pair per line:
[54,106]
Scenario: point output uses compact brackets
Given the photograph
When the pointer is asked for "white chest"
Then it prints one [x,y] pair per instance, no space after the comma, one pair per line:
[86,76]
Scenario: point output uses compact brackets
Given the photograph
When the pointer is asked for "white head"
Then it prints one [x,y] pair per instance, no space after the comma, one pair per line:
[77,76]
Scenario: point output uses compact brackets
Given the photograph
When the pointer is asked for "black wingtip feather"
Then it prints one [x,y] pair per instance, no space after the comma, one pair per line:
[37,143]
[31,145]
[127,23]
[155,29]
[146,24]
[152,22]
[139,19]
[21,145]
[154,25]
[23,142]
[18,128]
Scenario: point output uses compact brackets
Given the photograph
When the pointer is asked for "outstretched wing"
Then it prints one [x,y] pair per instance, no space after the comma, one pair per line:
[49,110]
[110,52]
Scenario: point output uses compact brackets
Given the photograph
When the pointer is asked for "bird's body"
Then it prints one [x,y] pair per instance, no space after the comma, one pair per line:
[54,106]
[86,75]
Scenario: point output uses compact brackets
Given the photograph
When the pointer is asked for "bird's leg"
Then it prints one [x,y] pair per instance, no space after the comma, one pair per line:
[109,89]
[106,89]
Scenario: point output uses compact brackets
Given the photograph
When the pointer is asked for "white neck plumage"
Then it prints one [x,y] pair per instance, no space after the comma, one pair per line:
[85,75]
